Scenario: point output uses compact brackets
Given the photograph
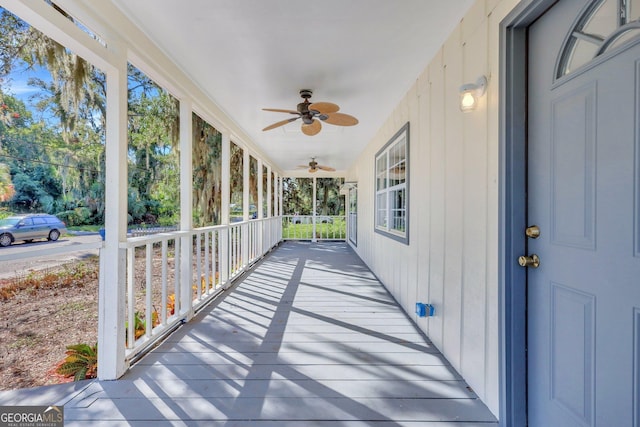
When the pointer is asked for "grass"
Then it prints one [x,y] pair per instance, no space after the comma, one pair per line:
[91,228]
[335,230]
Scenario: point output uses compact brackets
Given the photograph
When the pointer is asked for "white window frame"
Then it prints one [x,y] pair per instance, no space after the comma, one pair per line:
[386,189]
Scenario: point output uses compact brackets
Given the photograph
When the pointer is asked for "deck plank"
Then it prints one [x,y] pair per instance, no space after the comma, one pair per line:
[308,338]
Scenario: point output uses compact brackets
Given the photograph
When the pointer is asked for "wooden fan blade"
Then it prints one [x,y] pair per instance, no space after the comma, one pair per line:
[326,168]
[280,123]
[341,119]
[311,129]
[324,107]
[278,110]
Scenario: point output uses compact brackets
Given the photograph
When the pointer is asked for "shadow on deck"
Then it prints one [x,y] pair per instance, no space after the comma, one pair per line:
[309,337]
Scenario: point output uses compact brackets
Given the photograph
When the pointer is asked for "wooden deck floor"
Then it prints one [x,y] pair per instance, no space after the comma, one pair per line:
[308,338]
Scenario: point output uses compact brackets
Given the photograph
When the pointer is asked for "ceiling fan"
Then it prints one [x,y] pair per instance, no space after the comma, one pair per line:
[315,167]
[312,113]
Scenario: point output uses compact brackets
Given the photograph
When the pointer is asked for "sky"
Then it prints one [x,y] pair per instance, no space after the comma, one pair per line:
[16,83]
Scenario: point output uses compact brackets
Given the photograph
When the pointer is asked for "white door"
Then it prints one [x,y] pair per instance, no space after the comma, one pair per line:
[583,301]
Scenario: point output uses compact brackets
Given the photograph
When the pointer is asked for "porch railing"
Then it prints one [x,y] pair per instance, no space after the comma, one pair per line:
[168,282]
[314,227]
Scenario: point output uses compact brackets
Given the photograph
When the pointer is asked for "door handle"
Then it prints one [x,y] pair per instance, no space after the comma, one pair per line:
[532,261]
[532,232]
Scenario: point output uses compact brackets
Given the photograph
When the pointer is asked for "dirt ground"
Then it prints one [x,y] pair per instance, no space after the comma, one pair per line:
[48,311]
[45,311]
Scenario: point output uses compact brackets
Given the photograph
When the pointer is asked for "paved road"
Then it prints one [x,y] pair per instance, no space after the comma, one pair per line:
[14,268]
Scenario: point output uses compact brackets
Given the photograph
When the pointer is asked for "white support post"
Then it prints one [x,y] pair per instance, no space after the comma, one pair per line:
[313,214]
[225,202]
[279,195]
[112,285]
[246,190]
[260,201]
[260,225]
[268,224]
[280,204]
[186,208]
[269,193]
[245,184]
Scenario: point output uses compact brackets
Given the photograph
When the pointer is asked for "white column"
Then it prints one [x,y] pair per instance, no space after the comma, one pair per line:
[269,193]
[186,208]
[225,201]
[280,205]
[279,198]
[112,285]
[260,200]
[246,189]
[269,224]
[245,184]
[313,214]
[260,226]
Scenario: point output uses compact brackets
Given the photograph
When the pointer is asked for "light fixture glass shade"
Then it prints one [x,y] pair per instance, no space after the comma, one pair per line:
[470,92]
[468,101]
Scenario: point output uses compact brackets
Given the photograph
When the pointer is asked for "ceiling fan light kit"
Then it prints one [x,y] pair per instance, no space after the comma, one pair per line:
[312,114]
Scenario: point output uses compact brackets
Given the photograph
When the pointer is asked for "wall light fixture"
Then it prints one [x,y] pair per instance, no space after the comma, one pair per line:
[470,92]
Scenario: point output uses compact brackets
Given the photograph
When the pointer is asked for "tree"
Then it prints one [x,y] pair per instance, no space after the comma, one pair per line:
[153,149]
[70,132]
[6,185]
[236,180]
[207,173]
[297,196]
[330,201]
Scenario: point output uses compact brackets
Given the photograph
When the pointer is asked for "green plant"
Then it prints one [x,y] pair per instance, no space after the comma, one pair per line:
[139,327]
[81,362]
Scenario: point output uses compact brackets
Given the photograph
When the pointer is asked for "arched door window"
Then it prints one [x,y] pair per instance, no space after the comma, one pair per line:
[601,26]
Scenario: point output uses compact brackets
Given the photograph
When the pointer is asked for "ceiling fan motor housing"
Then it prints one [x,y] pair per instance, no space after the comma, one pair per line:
[303,107]
[308,112]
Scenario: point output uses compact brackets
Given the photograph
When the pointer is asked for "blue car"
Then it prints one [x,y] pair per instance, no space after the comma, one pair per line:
[30,227]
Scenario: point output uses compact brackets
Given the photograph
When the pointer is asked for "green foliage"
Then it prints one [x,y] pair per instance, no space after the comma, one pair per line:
[154,177]
[139,327]
[34,191]
[207,173]
[77,216]
[55,163]
[4,213]
[80,363]
[297,196]
[137,206]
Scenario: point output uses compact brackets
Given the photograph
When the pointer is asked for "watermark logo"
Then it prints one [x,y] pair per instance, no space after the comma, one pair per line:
[31,416]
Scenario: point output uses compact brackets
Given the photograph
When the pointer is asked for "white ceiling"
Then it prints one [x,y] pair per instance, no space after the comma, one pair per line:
[249,54]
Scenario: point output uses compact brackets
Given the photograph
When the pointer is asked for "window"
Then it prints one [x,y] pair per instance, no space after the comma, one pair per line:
[602,25]
[39,221]
[392,184]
